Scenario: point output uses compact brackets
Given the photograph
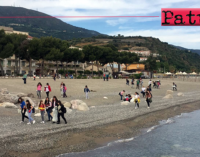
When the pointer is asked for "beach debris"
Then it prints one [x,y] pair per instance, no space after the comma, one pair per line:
[31,101]
[4,91]
[79,105]
[12,98]
[30,95]
[125,103]
[180,94]
[105,97]
[9,105]
[93,91]
[67,104]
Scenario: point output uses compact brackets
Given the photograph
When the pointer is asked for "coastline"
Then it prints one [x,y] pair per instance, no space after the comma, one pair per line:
[80,140]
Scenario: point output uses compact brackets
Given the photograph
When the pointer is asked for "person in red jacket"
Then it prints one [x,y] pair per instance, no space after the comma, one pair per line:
[47,89]
[42,109]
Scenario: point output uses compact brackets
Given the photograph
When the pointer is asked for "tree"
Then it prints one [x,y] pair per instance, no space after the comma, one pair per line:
[16,40]
[77,55]
[172,68]
[151,64]
[6,48]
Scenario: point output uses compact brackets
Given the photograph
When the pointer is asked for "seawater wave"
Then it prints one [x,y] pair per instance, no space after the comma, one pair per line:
[175,137]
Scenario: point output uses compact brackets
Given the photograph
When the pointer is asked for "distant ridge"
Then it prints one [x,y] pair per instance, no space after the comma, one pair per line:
[38,27]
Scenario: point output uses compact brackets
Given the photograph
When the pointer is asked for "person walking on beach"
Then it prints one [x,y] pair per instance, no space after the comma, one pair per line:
[132,82]
[137,100]
[149,84]
[104,76]
[64,91]
[54,77]
[34,76]
[127,82]
[42,110]
[174,87]
[122,94]
[86,90]
[61,89]
[47,89]
[39,88]
[107,77]
[25,77]
[23,109]
[61,112]
[55,113]
[141,82]
[48,106]
[138,84]
[143,91]
[30,110]
[148,98]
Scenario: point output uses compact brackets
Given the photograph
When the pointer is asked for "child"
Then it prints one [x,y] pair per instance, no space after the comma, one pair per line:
[39,86]
[121,94]
[34,77]
[132,83]
[64,91]
[42,110]
[48,106]
[30,108]
[137,100]
[47,89]
[61,89]
[23,109]
[86,90]
[143,91]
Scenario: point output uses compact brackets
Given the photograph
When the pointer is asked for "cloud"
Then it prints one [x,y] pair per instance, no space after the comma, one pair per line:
[186,36]
[116,22]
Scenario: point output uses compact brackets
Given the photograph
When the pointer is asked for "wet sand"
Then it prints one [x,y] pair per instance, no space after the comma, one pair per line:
[108,121]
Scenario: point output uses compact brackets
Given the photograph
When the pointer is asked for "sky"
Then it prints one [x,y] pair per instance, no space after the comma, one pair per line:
[185,36]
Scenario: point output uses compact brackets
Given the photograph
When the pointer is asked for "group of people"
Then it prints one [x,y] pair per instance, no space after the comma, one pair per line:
[105,77]
[55,109]
[47,89]
[139,83]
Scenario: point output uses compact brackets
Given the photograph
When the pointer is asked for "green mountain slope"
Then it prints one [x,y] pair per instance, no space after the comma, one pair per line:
[38,27]
[170,57]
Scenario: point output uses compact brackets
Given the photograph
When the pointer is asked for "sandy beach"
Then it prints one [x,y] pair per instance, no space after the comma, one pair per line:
[106,121]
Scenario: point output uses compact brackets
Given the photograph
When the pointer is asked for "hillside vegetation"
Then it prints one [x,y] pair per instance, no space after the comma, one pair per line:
[38,27]
[171,58]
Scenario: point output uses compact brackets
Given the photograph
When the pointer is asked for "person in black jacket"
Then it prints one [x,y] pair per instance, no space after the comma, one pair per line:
[86,90]
[61,110]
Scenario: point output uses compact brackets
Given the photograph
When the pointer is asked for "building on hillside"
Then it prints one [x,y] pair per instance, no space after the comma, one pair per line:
[73,47]
[141,53]
[123,51]
[142,59]
[10,68]
[9,30]
[155,54]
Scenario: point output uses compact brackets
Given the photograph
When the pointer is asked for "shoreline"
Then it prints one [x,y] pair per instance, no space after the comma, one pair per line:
[81,140]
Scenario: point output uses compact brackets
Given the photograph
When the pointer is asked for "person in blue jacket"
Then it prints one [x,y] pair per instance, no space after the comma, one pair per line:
[86,90]
[23,109]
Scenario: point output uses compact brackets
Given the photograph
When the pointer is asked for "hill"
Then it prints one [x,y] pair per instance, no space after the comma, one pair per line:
[192,50]
[38,27]
[171,58]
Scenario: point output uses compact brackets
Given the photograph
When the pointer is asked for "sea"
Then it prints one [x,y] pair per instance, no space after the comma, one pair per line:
[175,137]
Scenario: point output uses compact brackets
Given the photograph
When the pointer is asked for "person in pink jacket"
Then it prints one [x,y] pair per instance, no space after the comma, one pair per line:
[64,91]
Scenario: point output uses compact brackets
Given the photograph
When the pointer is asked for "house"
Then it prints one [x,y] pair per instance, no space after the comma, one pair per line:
[9,30]
[9,66]
[135,67]
[141,53]
[73,47]
[142,59]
